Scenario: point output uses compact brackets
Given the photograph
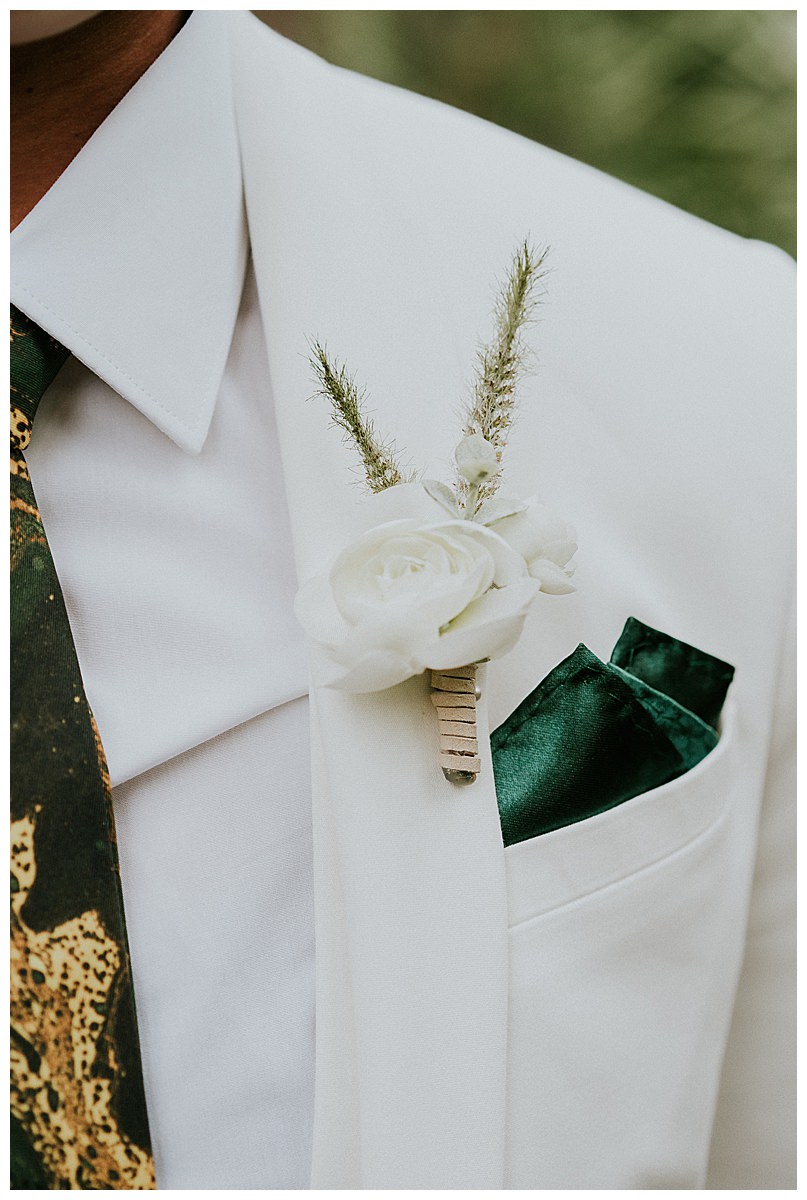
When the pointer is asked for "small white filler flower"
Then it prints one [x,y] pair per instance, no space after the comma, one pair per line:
[476,459]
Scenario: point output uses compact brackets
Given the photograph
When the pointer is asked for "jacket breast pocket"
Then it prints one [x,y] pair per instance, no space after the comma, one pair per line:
[569,863]
[626,937]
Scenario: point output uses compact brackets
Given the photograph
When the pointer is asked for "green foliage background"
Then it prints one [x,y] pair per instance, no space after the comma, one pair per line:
[697,107]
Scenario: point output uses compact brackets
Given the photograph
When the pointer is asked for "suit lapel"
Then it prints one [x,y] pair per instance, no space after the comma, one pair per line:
[410,886]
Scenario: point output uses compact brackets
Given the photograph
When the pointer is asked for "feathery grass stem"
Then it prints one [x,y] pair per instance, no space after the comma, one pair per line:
[378,458]
[502,361]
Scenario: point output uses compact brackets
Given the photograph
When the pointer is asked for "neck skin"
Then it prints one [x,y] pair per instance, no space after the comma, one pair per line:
[63,87]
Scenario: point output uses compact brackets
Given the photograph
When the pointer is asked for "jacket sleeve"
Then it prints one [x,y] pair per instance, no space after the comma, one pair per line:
[754,1137]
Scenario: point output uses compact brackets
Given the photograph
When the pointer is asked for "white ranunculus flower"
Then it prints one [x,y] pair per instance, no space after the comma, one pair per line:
[410,594]
[545,542]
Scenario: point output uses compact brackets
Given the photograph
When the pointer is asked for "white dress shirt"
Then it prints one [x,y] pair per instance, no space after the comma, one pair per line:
[156,466]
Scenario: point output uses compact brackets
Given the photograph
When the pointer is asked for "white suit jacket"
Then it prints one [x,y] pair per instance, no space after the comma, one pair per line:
[608,1005]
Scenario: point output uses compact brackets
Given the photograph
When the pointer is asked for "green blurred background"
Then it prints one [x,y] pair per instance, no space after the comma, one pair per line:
[697,107]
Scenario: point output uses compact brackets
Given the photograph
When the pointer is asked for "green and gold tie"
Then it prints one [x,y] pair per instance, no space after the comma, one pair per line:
[78,1107]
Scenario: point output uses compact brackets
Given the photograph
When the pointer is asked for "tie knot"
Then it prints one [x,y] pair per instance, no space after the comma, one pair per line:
[35,361]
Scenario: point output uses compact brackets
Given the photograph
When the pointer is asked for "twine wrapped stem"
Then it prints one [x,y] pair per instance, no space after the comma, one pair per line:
[454,694]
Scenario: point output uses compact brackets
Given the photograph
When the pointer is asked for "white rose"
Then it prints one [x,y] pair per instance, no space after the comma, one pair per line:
[411,594]
[545,542]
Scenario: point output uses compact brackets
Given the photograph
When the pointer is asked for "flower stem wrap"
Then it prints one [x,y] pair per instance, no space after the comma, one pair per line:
[454,695]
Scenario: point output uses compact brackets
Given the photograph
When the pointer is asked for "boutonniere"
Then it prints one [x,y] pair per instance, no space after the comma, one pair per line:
[444,575]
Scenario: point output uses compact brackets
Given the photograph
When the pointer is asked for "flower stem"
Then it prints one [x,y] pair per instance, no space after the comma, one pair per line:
[471,501]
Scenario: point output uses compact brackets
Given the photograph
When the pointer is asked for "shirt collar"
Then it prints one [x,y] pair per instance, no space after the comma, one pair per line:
[135,258]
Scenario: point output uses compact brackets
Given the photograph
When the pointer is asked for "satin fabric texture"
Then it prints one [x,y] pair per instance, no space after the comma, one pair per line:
[592,734]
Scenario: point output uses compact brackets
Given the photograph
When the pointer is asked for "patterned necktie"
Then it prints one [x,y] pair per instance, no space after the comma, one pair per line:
[78,1106]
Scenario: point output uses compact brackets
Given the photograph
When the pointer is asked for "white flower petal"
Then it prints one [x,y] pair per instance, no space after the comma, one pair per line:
[348,596]
[509,566]
[402,574]
[537,534]
[375,671]
[553,579]
[488,628]
[522,534]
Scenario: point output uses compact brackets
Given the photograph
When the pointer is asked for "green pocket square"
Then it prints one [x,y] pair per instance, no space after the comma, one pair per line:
[594,734]
[698,681]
